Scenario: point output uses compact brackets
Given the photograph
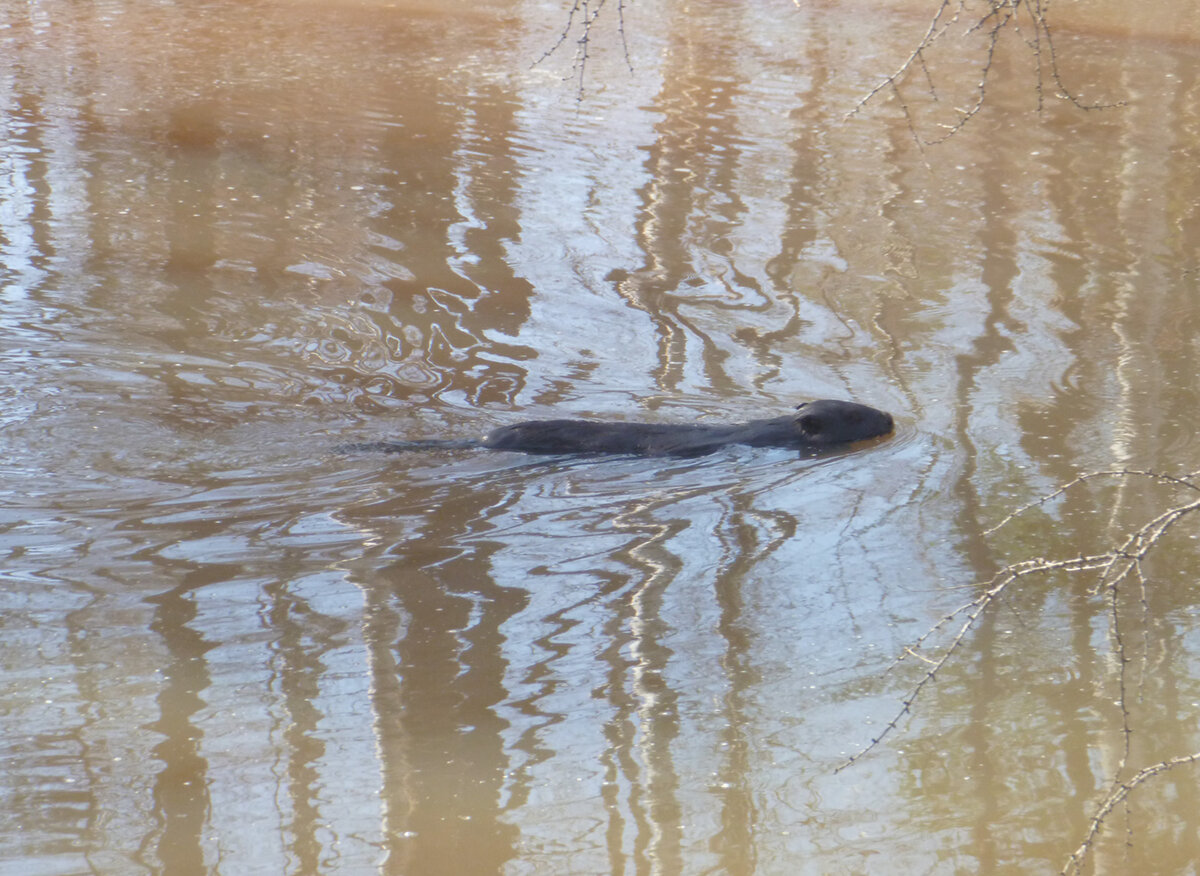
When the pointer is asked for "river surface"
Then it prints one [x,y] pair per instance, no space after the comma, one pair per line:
[236,234]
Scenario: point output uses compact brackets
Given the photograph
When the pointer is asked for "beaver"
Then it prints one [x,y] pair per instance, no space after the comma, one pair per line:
[816,426]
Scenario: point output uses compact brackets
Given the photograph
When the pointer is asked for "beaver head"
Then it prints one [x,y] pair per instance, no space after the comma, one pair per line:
[828,421]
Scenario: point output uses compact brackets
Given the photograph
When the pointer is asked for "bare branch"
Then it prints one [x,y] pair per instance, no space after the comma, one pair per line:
[1187,480]
[582,17]
[1121,564]
[996,17]
[1117,794]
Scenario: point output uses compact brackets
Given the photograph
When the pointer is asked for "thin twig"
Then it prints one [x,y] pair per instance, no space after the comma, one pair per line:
[1118,793]
[997,16]
[582,16]
[1114,567]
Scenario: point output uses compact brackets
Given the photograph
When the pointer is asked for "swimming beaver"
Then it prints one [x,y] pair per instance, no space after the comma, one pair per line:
[816,426]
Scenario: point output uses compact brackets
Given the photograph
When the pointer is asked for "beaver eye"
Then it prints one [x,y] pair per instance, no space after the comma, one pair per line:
[811,425]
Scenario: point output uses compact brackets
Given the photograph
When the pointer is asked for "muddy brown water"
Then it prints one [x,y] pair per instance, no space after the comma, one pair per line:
[234,235]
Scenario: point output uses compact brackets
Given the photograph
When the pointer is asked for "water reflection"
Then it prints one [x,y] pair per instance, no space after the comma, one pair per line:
[276,227]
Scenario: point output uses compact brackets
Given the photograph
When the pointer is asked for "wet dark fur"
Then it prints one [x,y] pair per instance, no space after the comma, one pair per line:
[815,426]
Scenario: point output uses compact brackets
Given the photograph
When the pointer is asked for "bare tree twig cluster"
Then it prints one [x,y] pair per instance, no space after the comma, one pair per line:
[1026,18]
[987,20]
[1116,570]
[1119,793]
[581,21]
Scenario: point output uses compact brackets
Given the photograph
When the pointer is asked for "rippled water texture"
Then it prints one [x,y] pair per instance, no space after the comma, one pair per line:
[236,234]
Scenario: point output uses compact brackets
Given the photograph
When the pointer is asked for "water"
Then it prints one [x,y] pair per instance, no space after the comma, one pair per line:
[235,235]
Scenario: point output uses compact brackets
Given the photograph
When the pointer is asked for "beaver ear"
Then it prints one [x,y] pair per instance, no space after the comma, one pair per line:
[801,406]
